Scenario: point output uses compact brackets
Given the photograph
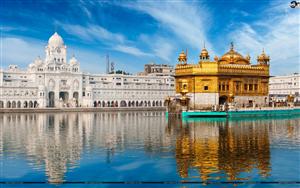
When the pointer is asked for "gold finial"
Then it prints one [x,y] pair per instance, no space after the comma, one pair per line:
[248,56]
[204,44]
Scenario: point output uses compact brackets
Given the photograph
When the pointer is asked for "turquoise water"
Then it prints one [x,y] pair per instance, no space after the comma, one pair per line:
[145,149]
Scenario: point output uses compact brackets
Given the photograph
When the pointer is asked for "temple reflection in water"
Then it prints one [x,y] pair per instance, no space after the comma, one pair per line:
[232,147]
[56,142]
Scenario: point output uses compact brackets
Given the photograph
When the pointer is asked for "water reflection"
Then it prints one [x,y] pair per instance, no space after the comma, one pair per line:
[210,150]
[56,141]
[229,149]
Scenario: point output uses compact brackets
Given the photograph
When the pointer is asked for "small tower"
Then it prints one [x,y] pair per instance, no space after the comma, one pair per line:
[182,58]
[263,59]
[204,56]
[56,50]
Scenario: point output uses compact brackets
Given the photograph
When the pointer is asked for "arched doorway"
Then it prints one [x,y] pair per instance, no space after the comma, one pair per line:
[64,96]
[123,104]
[25,104]
[1,104]
[99,103]
[14,104]
[75,96]
[103,104]
[30,104]
[35,104]
[8,104]
[223,99]
[19,104]
[51,97]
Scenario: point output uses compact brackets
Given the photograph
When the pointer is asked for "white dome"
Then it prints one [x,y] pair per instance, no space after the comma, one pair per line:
[73,61]
[31,65]
[38,61]
[55,40]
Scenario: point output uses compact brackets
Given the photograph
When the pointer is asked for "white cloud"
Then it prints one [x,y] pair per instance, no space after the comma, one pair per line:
[92,32]
[184,19]
[163,49]
[115,41]
[280,39]
[90,61]
[19,51]
[130,50]
[160,46]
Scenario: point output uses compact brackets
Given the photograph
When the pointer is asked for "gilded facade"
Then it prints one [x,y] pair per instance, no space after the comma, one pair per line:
[226,79]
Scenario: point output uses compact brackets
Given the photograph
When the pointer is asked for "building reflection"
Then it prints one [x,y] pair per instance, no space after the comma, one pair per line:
[56,141]
[234,148]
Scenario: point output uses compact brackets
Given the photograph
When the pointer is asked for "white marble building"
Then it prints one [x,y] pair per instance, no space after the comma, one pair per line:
[56,82]
[282,86]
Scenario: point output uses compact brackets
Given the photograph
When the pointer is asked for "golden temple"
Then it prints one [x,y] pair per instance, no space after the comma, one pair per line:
[228,79]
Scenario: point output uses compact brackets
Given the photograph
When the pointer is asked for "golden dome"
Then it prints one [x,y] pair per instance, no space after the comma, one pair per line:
[233,57]
[182,57]
[204,54]
[263,58]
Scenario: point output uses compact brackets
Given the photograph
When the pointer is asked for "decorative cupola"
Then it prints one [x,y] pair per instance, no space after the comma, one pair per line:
[233,57]
[204,56]
[73,61]
[263,59]
[216,58]
[182,58]
[38,61]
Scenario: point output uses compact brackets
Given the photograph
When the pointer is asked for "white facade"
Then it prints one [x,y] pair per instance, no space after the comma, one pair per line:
[54,82]
[282,86]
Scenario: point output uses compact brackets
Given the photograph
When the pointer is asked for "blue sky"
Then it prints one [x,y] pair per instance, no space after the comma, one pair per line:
[137,32]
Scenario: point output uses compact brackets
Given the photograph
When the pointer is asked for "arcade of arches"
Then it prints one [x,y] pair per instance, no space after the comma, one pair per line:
[19,104]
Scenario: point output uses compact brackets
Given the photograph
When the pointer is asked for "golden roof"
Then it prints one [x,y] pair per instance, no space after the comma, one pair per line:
[263,57]
[182,56]
[204,53]
[233,57]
